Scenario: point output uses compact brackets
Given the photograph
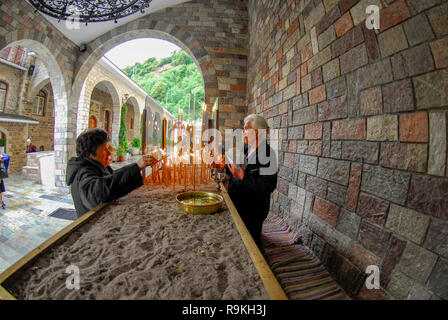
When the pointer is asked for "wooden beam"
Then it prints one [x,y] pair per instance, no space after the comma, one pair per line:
[48,243]
[5,295]
[270,282]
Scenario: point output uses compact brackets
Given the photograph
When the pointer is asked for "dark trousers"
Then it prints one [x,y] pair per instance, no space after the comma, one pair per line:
[253,210]
[254,225]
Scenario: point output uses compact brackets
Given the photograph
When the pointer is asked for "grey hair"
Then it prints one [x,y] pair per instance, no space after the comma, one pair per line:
[258,121]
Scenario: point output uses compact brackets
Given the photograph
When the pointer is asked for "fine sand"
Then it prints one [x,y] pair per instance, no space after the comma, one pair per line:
[143,247]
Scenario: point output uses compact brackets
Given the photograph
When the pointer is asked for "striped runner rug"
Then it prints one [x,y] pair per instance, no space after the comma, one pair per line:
[276,232]
[302,275]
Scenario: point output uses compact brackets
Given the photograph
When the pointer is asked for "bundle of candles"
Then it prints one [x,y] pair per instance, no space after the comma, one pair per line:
[188,164]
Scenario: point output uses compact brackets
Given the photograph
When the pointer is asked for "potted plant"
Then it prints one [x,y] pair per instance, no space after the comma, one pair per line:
[115,153]
[122,140]
[136,144]
[121,151]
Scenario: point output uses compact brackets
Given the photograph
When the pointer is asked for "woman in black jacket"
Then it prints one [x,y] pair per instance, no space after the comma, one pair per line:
[252,183]
[90,176]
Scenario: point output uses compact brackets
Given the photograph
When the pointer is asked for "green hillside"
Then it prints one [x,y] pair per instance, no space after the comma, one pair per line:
[171,79]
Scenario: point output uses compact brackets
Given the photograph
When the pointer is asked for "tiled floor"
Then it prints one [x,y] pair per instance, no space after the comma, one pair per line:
[25,223]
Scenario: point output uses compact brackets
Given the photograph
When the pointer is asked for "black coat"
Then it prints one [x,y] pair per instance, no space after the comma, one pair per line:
[93,184]
[251,196]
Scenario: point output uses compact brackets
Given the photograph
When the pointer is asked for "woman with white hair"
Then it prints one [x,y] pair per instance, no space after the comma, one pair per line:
[251,184]
[30,147]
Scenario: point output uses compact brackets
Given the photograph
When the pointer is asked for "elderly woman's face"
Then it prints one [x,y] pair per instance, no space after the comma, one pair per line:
[249,133]
[104,154]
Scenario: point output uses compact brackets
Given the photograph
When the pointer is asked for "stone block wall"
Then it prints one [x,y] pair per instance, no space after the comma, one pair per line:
[214,31]
[99,111]
[16,134]
[216,34]
[42,134]
[362,116]
[14,78]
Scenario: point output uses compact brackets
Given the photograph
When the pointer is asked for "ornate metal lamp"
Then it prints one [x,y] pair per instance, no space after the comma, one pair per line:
[90,11]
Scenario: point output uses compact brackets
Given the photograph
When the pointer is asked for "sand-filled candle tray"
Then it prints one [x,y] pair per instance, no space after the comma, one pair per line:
[143,247]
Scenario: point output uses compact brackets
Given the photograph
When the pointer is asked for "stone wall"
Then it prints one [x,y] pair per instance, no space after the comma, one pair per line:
[214,32]
[21,25]
[362,116]
[13,77]
[99,110]
[16,134]
[42,134]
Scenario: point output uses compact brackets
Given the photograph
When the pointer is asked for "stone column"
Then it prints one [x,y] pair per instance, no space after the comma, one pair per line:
[116,117]
[26,106]
[83,111]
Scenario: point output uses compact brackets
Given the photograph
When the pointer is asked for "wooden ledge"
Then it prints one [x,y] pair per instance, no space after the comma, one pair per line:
[270,282]
[4,294]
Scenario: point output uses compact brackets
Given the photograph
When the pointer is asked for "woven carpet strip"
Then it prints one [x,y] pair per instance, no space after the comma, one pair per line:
[302,275]
[276,232]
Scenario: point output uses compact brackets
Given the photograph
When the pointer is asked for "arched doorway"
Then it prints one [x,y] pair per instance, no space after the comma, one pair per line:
[64,124]
[93,122]
[132,116]
[104,104]
[146,29]
[107,123]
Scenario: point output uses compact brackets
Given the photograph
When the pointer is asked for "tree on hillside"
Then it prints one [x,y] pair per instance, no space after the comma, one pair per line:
[178,80]
[158,91]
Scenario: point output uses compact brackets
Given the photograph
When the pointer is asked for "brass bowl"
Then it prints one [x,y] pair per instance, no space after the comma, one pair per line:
[213,202]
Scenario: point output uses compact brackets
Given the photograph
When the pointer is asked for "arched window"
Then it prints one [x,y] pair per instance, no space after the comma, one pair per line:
[3,92]
[39,103]
[132,123]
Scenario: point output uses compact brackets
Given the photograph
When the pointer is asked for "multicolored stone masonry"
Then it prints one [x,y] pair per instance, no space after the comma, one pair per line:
[362,116]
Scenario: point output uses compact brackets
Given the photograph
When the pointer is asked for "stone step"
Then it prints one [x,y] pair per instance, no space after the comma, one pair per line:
[30,169]
[31,172]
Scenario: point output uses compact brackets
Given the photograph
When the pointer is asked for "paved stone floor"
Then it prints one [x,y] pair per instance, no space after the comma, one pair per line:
[25,223]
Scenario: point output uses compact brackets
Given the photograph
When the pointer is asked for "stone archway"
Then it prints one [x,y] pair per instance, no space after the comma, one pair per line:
[84,108]
[147,28]
[65,124]
[39,80]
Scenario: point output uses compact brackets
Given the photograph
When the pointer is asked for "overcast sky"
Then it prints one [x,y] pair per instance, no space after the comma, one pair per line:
[139,50]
